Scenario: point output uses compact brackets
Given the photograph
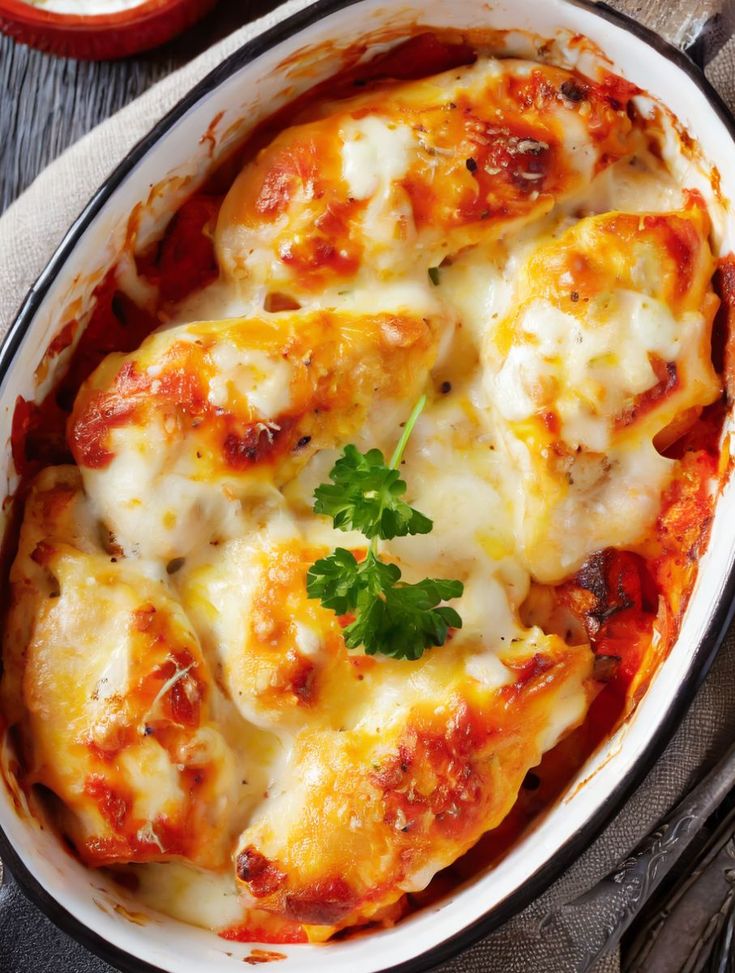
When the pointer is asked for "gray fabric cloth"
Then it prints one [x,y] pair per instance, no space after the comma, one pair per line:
[28,942]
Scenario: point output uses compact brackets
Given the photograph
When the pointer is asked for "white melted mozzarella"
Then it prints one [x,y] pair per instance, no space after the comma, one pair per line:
[193,895]
[224,298]
[577,143]
[589,372]
[249,374]
[153,510]
[610,500]
[374,154]
[150,762]
[479,287]
[568,710]
[639,185]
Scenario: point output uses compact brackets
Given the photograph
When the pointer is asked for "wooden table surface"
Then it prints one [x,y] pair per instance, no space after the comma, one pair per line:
[49,102]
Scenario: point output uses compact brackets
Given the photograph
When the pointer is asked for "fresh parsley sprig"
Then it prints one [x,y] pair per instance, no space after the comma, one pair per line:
[366,495]
[391,617]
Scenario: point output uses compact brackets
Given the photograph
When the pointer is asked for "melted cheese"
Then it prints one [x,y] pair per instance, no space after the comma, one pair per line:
[400,800]
[113,679]
[595,371]
[413,174]
[374,155]
[197,896]
[175,438]
[604,352]
[562,344]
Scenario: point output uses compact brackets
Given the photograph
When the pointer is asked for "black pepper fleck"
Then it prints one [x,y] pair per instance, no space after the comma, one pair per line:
[572,91]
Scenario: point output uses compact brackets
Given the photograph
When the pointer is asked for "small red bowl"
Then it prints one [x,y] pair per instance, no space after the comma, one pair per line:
[98,37]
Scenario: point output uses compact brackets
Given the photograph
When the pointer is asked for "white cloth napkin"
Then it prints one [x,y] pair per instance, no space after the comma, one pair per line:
[29,232]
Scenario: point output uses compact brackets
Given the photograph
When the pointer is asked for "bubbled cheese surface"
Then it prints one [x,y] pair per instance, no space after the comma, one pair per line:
[193,711]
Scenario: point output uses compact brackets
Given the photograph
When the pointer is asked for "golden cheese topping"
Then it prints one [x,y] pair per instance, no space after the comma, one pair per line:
[282,654]
[174,437]
[117,700]
[603,361]
[395,803]
[193,712]
[416,172]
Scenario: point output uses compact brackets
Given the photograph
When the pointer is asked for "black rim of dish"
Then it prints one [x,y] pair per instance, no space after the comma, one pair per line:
[701,660]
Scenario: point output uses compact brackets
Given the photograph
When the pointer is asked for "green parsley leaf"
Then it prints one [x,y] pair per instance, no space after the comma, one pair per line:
[334,581]
[404,620]
[366,495]
[391,617]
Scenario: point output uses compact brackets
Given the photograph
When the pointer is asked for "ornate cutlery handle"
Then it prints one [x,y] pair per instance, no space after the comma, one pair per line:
[699,27]
[607,909]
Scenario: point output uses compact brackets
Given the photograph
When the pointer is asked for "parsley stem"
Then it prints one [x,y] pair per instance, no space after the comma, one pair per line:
[398,454]
[407,430]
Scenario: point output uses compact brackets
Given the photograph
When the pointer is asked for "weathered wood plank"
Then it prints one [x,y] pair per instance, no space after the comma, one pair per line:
[48,102]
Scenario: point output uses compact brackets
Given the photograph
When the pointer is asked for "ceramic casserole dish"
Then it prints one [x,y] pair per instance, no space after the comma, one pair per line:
[152,182]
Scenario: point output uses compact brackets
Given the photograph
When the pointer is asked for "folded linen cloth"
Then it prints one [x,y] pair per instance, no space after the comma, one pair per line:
[28,941]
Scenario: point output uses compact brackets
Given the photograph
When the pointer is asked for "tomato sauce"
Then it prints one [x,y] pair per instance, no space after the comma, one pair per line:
[272,930]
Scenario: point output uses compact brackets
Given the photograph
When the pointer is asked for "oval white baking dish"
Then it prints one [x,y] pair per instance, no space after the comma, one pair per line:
[252,83]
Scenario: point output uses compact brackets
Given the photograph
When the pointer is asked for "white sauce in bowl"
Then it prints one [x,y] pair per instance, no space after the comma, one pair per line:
[85,8]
